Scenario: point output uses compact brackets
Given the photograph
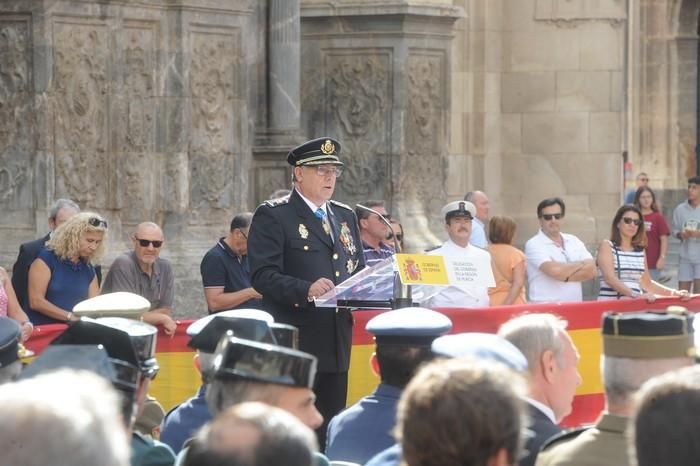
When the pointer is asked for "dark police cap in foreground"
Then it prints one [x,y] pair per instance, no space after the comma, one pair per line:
[483,346]
[286,335]
[93,358]
[411,326]
[458,209]
[249,360]
[208,337]
[10,333]
[143,338]
[197,326]
[116,342]
[649,335]
[319,151]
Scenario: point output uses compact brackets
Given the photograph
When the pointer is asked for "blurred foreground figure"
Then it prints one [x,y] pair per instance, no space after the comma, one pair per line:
[65,418]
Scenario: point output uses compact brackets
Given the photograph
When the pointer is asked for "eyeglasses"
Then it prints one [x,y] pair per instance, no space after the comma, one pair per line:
[97,222]
[325,171]
[144,243]
[399,237]
[387,217]
[549,217]
[629,220]
[243,233]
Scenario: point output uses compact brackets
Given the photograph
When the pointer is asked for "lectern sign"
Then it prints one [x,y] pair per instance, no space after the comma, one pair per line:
[422,269]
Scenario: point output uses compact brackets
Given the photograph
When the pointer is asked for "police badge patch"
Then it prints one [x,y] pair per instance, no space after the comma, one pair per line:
[303,232]
[346,239]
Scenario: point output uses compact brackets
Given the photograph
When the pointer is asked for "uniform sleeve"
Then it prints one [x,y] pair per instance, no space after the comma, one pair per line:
[213,271]
[118,278]
[266,243]
[167,297]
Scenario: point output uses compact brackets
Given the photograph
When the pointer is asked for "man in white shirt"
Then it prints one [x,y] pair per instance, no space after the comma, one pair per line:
[557,262]
[551,358]
[481,219]
[458,223]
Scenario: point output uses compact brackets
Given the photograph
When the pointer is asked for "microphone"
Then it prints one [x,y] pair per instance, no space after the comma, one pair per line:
[386,222]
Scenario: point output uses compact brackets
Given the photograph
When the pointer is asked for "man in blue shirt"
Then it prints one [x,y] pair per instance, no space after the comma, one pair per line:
[225,273]
[403,339]
[373,232]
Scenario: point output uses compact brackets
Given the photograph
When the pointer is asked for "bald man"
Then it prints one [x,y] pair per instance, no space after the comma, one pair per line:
[143,272]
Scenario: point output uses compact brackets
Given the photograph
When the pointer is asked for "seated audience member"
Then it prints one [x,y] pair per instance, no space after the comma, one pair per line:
[396,232]
[60,211]
[403,338]
[253,434]
[462,412]
[636,347]
[10,364]
[74,423]
[656,229]
[373,232]
[225,272]
[507,262]
[553,378]
[9,306]
[622,263]
[185,419]
[557,262]
[665,423]
[458,217]
[143,272]
[63,275]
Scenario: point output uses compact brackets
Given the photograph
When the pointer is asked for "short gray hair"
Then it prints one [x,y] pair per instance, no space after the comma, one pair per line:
[622,377]
[222,394]
[533,334]
[62,204]
[75,423]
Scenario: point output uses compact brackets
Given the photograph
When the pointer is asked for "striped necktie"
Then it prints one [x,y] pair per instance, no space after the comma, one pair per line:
[321,215]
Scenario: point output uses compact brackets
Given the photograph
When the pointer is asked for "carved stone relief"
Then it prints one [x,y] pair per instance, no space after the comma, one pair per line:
[16,118]
[80,103]
[212,141]
[269,180]
[426,141]
[359,95]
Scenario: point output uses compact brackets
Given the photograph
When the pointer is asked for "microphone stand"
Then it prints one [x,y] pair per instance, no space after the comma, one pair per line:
[402,293]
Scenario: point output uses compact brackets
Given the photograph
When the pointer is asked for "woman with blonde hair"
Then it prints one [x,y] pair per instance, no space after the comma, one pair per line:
[507,263]
[63,275]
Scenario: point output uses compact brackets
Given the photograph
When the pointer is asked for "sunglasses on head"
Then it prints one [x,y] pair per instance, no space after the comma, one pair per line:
[145,242]
[552,216]
[629,220]
[97,222]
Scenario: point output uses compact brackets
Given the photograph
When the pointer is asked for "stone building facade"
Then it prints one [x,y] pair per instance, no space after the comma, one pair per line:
[181,111]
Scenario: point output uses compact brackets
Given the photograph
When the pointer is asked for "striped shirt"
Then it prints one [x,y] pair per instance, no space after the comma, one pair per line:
[629,267]
[373,256]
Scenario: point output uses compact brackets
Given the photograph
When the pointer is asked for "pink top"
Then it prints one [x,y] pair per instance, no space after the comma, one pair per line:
[3,301]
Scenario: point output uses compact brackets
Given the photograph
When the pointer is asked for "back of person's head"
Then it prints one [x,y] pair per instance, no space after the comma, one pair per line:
[224,393]
[501,229]
[398,364]
[252,434]
[62,204]
[533,334]
[62,418]
[665,424]
[461,412]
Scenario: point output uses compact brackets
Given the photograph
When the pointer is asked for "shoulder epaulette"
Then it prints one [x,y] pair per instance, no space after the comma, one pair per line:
[568,434]
[340,204]
[277,202]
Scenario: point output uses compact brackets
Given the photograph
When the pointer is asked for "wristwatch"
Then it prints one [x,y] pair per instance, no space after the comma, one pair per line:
[69,317]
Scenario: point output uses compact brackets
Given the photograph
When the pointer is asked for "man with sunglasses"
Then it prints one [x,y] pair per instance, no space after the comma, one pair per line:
[299,248]
[143,272]
[557,262]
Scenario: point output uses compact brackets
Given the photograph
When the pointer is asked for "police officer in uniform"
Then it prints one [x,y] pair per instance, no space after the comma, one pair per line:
[301,247]
[636,347]
[403,338]
[181,422]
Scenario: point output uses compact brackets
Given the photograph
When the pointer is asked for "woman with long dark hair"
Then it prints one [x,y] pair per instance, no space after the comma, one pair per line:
[656,228]
[622,263]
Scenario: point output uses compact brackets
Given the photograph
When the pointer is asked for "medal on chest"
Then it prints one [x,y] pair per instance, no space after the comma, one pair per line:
[346,239]
[303,232]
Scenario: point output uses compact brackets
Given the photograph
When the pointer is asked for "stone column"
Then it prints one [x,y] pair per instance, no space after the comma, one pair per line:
[284,47]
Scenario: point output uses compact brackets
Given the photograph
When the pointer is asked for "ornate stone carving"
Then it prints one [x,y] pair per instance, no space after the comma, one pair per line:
[16,118]
[80,105]
[359,93]
[212,145]
[140,108]
[426,141]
